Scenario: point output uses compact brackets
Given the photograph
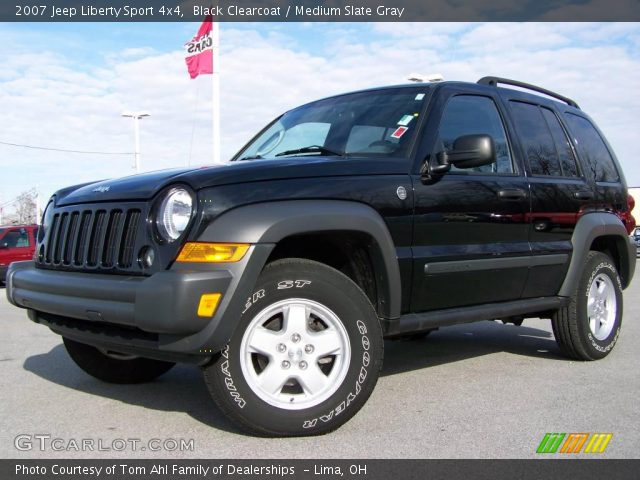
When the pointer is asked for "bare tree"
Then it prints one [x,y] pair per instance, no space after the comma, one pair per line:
[26,208]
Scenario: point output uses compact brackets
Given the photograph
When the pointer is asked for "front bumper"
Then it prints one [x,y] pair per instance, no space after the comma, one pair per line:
[153,316]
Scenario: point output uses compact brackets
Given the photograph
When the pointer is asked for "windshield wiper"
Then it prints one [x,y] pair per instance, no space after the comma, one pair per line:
[250,157]
[311,149]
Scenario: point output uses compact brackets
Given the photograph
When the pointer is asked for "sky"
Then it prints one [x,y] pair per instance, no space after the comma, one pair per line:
[65,85]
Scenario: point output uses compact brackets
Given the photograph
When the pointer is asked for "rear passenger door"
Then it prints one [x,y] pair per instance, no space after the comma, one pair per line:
[470,241]
[559,193]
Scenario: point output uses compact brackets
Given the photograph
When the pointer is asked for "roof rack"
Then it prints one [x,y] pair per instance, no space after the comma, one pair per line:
[494,81]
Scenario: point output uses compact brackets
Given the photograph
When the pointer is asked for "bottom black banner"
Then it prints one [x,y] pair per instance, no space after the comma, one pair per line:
[321,469]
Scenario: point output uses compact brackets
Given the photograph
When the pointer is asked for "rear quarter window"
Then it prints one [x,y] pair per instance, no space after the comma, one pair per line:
[596,158]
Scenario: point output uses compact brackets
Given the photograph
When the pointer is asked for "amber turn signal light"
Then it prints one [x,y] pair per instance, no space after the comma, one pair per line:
[212,252]
[208,304]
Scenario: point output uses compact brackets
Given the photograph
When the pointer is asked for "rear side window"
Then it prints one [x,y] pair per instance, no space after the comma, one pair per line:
[595,155]
[536,139]
[563,147]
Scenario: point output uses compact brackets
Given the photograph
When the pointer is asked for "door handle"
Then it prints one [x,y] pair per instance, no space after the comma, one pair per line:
[583,195]
[511,194]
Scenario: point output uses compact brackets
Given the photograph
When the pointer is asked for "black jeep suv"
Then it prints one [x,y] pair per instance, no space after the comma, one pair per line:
[379,213]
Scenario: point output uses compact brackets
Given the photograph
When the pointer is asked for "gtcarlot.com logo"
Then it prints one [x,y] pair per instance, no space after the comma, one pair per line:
[46,442]
[574,442]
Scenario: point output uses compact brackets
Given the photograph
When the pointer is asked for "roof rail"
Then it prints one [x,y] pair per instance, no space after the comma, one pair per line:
[494,81]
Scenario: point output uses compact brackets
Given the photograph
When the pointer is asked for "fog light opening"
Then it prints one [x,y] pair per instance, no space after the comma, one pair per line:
[147,257]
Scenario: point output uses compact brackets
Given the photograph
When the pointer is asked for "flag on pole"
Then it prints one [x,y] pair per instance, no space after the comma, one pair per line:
[200,50]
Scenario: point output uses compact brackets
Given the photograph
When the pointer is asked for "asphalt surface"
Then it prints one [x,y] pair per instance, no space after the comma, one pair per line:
[482,390]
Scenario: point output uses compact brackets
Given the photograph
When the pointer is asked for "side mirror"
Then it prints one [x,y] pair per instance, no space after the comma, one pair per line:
[469,151]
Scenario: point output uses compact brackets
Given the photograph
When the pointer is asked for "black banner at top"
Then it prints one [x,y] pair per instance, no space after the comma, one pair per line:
[318,10]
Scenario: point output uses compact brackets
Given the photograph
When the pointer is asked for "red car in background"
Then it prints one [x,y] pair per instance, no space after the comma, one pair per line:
[17,242]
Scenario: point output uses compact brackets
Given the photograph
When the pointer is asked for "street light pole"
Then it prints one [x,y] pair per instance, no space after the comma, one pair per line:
[136,134]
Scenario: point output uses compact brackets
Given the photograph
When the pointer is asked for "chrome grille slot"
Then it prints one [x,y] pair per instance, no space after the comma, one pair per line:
[112,235]
[70,238]
[60,233]
[95,239]
[79,257]
[51,238]
[129,239]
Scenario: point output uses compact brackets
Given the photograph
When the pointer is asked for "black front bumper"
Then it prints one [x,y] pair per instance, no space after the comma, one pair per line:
[153,316]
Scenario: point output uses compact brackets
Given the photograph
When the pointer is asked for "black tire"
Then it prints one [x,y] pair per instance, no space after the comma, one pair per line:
[111,369]
[571,323]
[312,282]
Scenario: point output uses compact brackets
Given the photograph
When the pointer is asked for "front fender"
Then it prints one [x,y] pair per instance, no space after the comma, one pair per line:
[271,222]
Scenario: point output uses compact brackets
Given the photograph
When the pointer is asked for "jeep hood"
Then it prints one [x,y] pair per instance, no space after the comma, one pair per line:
[145,186]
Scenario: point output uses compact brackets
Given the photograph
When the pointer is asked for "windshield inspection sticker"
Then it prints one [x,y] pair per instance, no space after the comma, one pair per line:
[399,132]
[405,120]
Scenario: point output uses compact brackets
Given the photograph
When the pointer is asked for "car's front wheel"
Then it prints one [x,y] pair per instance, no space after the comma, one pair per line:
[306,354]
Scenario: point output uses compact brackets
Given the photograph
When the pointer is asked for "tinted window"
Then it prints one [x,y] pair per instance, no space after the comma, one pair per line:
[469,115]
[563,147]
[311,133]
[595,154]
[16,239]
[372,123]
[537,141]
[362,136]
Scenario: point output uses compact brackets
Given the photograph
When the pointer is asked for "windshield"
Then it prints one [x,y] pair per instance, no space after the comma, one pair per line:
[373,123]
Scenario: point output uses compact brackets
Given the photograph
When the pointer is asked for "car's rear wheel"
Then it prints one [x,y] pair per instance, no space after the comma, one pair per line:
[114,367]
[306,354]
[588,328]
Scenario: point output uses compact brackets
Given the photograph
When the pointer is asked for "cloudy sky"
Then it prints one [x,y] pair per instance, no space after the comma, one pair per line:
[65,85]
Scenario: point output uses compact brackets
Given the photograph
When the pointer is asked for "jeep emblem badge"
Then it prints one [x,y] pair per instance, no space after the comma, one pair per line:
[101,189]
[401,192]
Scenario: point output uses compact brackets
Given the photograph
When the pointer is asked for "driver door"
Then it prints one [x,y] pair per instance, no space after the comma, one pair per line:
[470,242]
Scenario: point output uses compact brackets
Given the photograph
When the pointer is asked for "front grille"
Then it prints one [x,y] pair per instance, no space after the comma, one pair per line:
[92,238]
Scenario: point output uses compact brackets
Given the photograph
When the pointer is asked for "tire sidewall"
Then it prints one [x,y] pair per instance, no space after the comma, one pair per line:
[598,264]
[324,285]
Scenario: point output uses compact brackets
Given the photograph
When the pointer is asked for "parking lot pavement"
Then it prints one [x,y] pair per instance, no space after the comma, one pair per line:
[478,390]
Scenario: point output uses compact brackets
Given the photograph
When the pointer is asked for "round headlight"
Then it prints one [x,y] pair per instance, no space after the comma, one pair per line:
[174,214]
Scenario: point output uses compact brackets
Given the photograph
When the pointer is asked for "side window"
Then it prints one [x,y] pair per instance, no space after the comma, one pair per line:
[469,115]
[16,239]
[595,155]
[539,145]
[563,147]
